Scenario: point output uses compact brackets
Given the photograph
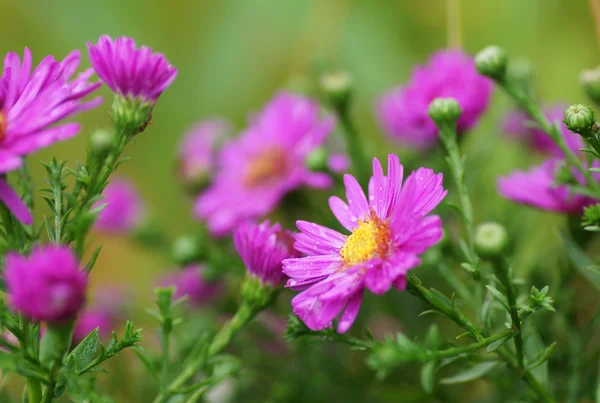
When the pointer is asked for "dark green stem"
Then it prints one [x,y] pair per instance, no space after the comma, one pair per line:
[431,355]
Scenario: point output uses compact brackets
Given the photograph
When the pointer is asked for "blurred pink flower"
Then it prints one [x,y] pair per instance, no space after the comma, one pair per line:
[191,282]
[124,210]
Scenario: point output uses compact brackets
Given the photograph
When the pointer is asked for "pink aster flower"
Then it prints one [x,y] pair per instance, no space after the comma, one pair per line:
[31,103]
[47,286]
[262,247]
[389,231]
[338,163]
[191,282]
[197,151]
[537,187]
[130,71]
[88,321]
[402,112]
[265,163]
[518,124]
[124,210]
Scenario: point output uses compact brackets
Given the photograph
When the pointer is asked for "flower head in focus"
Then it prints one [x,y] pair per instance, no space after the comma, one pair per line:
[265,163]
[46,286]
[197,151]
[192,283]
[31,103]
[403,111]
[389,231]
[518,124]
[262,247]
[124,210]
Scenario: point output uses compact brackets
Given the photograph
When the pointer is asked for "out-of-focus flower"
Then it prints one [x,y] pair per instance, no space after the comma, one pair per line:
[124,210]
[518,124]
[262,247]
[389,231]
[197,152]
[137,77]
[538,188]
[191,282]
[338,163]
[403,112]
[88,321]
[265,163]
[30,104]
[47,286]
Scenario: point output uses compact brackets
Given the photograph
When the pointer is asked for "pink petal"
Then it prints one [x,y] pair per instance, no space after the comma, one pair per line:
[350,312]
[14,203]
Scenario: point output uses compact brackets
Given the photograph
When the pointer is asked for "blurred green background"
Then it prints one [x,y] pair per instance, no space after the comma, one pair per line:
[233,55]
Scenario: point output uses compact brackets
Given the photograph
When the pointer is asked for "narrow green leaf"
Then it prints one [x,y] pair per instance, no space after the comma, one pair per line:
[148,364]
[580,260]
[427,377]
[497,344]
[543,357]
[498,296]
[472,373]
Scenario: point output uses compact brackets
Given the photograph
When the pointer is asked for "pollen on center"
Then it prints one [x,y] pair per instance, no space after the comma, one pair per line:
[268,165]
[369,239]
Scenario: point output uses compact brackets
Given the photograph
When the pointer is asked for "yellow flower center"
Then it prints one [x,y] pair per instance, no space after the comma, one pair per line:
[267,166]
[369,239]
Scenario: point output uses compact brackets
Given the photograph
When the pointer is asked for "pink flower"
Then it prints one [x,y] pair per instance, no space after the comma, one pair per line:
[46,286]
[262,247]
[124,209]
[88,321]
[338,163]
[30,104]
[537,187]
[518,124]
[191,282]
[265,163]
[389,231]
[403,111]
[129,71]
[197,151]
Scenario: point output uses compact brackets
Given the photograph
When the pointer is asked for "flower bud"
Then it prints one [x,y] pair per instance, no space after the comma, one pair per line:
[102,143]
[317,160]
[590,81]
[444,110]
[579,119]
[186,249]
[492,62]
[130,116]
[491,240]
[337,85]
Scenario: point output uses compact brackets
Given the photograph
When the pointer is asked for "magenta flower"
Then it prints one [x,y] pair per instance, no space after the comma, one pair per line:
[124,209]
[30,104]
[88,321]
[262,247]
[338,163]
[46,286]
[538,188]
[402,112]
[518,124]
[197,151]
[129,71]
[389,231]
[265,163]
[191,282]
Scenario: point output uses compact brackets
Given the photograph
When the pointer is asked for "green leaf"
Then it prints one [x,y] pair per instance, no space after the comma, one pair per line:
[497,344]
[580,260]
[498,296]
[90,265]
[84,352]
[427,377]
[147,363]
[543,357]
[8,362]
[472,373]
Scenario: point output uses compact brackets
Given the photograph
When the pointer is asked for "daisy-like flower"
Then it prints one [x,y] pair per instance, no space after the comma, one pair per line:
[124,210]
[30,104]
[538,188]
[265,163]
[519,125]
[137,77]
[262,247]
[198,149]
[389,231]
[402,112]
[46,286]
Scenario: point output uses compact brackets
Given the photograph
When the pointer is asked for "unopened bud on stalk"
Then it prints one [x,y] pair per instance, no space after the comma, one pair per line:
[130,115]
[590,81]
[491,240]
[337,86]
[444,111]
[186,249]
[580,119]
[317,160]
[492,62]
[102,143]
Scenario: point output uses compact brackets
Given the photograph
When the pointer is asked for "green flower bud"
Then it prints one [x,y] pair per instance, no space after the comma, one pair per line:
[102,143]
[491,240]
[580,119]
[492,62]
[317,160]
[590,81]
[256,294]
[130,116]
[186,249]
[338,88]
[444,110]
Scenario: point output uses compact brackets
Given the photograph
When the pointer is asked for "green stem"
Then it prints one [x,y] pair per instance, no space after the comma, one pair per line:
[165,354]
[34,391]
[453,352]
[360,162]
